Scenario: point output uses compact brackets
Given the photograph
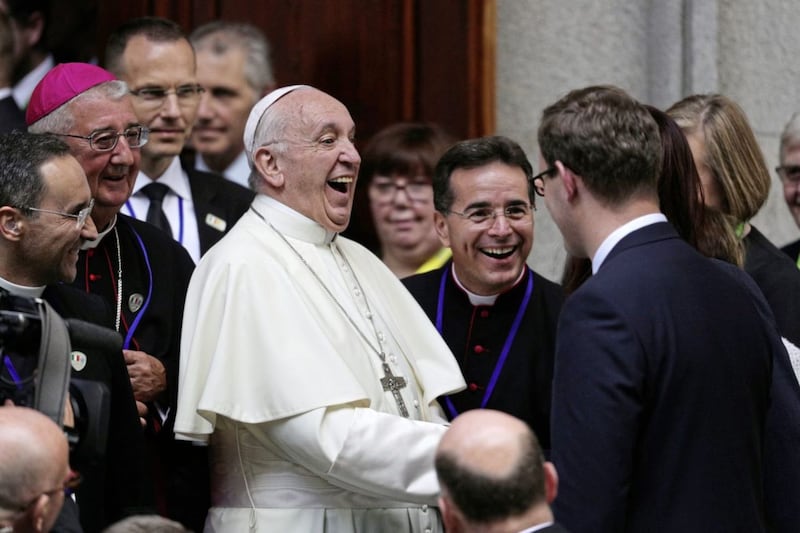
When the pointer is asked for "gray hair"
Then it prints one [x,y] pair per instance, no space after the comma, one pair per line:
[221,36]
[62,119]
[271,130]
[790,135]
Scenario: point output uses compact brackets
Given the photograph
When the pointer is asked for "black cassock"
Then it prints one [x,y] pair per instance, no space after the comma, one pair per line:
[477,335]
[155,276]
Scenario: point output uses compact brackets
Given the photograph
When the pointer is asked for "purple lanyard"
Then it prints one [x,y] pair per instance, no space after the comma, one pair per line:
[180,216]
[498,367]
[129,337]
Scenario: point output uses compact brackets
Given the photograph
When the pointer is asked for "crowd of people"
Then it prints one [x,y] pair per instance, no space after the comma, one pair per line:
[275,375]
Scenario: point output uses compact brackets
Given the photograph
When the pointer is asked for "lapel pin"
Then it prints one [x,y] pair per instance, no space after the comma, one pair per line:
[215,222]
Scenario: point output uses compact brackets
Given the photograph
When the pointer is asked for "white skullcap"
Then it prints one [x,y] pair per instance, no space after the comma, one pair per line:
[255,117]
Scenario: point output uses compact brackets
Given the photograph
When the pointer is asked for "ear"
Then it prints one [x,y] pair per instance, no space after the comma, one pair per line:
[38,512]
[569,179]
[266,163]
[34,27]
[550,482]
[440,224]
[449,515]
[11,223]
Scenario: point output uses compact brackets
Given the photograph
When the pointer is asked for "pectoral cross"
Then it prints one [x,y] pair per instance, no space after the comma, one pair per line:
[394,383]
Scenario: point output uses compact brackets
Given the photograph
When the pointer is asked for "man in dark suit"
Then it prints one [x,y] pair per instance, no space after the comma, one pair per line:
[663,357]
[494,477]
[11,118]
[157,61]
[140,272]
[497,315]
[44,208]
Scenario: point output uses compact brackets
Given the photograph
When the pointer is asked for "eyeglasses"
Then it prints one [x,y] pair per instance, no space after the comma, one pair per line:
[154,97]
[538,180]
[80,217]
[106,140]
[383,190]
[790,173]
[484,216]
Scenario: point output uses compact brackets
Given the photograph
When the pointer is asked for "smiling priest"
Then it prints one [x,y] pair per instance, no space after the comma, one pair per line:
[305,364]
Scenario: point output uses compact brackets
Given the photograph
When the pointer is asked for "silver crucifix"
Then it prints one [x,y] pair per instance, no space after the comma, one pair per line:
[394,383]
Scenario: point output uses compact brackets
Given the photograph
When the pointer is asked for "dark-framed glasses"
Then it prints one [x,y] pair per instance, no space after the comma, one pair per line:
[538,180]
[154,97]
[417,189]
[80,217]
[484,216]
[790,173]
[106,140]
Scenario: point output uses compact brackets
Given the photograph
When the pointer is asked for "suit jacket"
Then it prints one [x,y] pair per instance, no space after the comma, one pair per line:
[476,336]
[216,200]
[11,117]
[792,250]
[662,384]
[155,276]
[117,486]
[778,278]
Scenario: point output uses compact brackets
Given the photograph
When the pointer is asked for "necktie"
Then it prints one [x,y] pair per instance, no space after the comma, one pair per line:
[155,214]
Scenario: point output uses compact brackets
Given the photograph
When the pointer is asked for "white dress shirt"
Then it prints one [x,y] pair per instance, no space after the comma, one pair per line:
[238,171]
[620,233]
[177,205]
[24,87]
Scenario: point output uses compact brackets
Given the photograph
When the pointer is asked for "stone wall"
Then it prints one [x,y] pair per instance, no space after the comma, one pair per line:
[659,51]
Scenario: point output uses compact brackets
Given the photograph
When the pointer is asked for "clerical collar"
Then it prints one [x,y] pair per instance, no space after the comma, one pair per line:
[93,244]
[291,223]
[21,290]
[477,299]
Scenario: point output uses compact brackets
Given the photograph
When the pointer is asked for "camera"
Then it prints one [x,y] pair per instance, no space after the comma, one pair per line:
[35,371]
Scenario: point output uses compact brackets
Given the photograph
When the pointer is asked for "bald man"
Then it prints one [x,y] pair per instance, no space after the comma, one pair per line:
[493,476]
[34,469]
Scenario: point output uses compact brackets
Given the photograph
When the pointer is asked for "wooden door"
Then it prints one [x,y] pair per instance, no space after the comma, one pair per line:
[386,60]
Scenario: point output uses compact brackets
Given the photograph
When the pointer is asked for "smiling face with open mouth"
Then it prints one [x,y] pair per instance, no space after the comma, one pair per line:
[319,163]
[111,174]
[488,256]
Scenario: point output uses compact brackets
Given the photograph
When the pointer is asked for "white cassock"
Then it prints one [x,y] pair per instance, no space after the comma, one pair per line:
[287,390]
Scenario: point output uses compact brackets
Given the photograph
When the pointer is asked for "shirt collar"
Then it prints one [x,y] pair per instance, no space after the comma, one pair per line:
[24,88]
[100,234]
[238,171]
[477,299]
[174,177]
[291,223]
[537,527]
[621,232]
[21,290]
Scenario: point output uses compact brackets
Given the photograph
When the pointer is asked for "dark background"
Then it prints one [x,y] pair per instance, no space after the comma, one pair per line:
[386,60]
